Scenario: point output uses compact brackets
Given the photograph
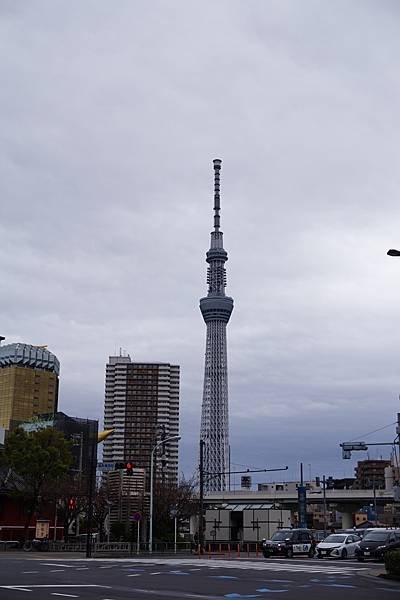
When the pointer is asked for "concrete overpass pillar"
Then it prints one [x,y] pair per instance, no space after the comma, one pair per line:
[347,520]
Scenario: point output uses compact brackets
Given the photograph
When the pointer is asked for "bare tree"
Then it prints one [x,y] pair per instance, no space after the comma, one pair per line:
[181,499]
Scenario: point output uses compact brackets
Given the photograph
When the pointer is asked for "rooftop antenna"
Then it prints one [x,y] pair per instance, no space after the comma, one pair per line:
[217,206]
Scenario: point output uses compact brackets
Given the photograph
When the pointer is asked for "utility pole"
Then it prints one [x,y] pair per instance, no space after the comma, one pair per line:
[324,500]
[375,508]
[163,455]
[201,503]
[90,496]
[302,501]
[229,477]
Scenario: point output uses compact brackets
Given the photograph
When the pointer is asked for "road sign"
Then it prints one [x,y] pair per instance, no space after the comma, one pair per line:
[105,466]
[137,516]
[42,528]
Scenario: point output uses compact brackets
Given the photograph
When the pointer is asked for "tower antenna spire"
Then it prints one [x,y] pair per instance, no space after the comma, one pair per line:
[217,206]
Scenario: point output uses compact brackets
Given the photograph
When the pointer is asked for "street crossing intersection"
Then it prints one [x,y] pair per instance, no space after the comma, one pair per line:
[187,578]
[299,566]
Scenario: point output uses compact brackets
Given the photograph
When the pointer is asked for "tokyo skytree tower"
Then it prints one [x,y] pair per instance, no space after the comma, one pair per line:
[216,309]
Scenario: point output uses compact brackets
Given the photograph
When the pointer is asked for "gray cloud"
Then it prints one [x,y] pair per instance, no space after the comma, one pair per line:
[110,117]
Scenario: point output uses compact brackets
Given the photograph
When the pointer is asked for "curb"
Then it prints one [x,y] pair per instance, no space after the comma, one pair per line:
[379,578]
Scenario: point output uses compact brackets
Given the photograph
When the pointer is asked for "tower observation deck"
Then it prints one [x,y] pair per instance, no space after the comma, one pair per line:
[216,309]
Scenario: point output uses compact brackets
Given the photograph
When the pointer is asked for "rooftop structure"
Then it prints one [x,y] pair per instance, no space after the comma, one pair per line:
[28,383]
[31,357]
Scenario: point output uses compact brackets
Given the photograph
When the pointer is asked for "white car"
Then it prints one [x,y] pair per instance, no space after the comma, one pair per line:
[338,545]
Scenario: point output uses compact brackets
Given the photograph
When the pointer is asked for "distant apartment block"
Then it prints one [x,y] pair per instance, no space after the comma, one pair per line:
[371,474]
[127,493]
[29,377]
[142,405]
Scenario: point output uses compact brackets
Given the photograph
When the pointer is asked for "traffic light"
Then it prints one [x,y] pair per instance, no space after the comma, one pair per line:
[71,504]
[129,468]
[349,447]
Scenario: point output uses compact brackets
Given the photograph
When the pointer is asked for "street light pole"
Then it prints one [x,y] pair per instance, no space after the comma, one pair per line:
[168,439]
[90,498]
[201,499]
[324,496]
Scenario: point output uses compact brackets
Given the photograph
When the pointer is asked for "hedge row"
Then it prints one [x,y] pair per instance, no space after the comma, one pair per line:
[392,562]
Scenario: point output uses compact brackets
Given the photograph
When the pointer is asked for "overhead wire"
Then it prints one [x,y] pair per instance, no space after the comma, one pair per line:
[364,435]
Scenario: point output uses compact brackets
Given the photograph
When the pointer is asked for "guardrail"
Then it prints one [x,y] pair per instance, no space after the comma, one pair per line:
[7,545]
[129,548]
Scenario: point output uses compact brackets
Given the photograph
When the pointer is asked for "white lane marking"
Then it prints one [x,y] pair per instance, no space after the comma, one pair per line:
[25,572]
[108,567]
[54,585]
[83,569]
[134,575]
[57,570]
[56,565]
[157,593]
[66,595]
[156,573]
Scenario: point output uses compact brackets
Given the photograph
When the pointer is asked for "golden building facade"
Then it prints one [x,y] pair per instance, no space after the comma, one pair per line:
[28,383]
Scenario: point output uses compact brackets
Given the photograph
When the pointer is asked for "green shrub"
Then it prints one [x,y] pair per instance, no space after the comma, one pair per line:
[392,562]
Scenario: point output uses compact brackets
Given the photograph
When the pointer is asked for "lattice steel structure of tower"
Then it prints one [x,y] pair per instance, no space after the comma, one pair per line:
[216,309]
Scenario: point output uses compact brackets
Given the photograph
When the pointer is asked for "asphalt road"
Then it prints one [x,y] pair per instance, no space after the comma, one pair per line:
[43,577]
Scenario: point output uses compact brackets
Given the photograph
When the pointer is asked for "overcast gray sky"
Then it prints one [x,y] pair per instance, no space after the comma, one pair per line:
[111,114]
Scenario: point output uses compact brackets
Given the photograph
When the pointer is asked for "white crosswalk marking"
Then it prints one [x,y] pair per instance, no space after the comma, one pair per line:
[306,567]
[295,566]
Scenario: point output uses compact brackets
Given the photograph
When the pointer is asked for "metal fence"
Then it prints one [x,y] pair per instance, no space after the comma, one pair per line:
[127,548]
[226,549]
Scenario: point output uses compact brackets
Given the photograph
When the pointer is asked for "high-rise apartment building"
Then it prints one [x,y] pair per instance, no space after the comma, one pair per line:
[142,405]
[216,309]
[28,383]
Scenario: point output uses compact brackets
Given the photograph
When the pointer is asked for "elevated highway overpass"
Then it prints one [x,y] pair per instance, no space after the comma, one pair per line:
[287,497]
[347,501]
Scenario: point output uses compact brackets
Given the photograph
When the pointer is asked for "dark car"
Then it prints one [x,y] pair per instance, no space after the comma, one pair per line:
[391,546]
[289,543]
[319,535]
[375,543]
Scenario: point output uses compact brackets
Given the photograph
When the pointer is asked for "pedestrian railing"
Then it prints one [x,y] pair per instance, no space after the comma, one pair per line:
[120,547]
[232,549]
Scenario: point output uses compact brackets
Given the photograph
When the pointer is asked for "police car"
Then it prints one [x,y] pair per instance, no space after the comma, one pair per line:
[289,543]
